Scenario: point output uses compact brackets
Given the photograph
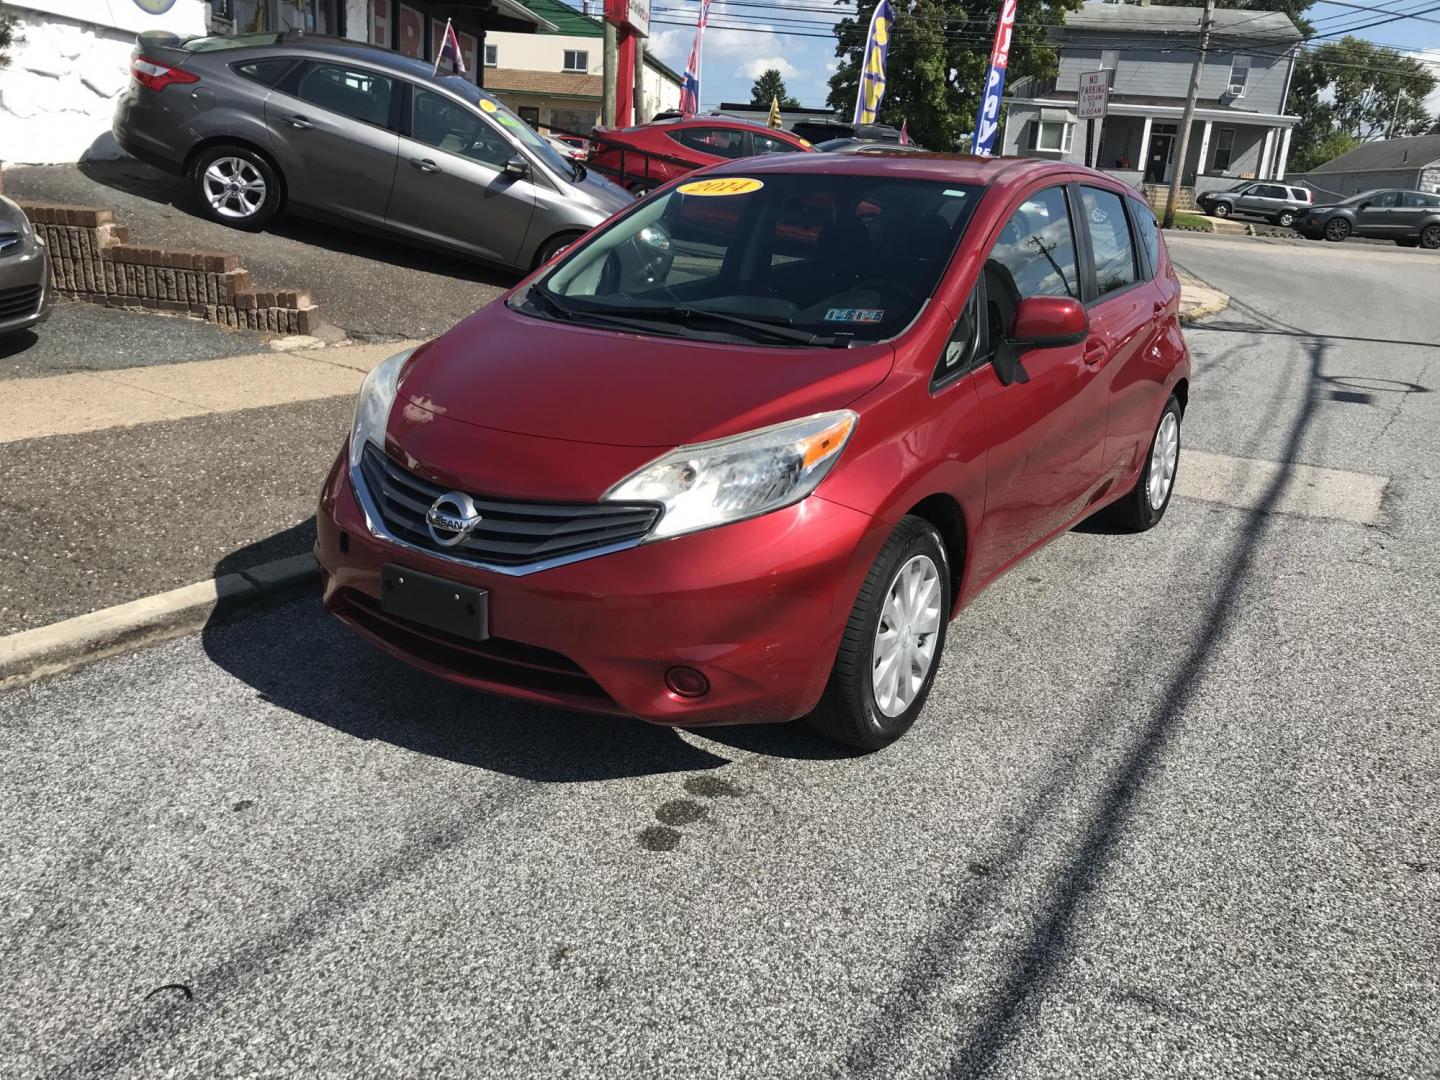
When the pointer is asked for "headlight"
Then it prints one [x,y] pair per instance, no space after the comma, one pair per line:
[741,477]
[372,408]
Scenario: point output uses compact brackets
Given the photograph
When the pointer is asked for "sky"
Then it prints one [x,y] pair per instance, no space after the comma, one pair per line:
[733,58]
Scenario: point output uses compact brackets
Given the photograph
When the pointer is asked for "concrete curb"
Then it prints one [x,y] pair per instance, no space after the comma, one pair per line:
[48,650]
[1197,300]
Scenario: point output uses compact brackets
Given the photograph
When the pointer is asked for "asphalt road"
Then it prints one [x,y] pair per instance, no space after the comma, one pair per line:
[1172,812]
[370,286]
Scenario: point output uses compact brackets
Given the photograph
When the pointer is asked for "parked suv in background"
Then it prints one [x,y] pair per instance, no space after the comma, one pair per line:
[1277,203]
[1410,218]
[756,480]
[648,155]
[261,121]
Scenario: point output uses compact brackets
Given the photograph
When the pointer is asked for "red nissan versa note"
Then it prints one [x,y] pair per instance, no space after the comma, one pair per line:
[742,452]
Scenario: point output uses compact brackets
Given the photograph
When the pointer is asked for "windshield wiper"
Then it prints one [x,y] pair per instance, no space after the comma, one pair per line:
[779,329]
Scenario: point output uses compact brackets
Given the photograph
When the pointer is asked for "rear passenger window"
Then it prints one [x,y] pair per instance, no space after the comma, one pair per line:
[353,92]
[266,72]
[1149,230]
[1418,198]
[1109,239]
[721,142]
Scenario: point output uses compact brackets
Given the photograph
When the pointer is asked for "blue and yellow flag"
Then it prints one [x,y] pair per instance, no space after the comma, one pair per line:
[872,67]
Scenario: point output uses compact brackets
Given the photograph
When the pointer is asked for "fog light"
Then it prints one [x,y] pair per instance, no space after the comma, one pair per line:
[687,682]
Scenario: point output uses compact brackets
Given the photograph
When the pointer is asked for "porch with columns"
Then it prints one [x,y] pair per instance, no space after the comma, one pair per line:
[1223,147]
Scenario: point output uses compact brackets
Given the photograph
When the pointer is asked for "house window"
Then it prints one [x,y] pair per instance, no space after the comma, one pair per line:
[1224,149]
[1239,75]
[492,55]
[577,60]
[1051,135]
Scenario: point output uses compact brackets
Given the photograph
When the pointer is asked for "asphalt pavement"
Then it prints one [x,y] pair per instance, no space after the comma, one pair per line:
[368,285]
[1174,810]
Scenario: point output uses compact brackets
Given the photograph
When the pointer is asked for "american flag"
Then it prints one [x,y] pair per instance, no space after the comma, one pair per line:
[450,51]
[690,85]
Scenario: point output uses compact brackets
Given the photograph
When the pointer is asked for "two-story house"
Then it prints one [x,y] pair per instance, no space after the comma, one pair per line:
[1240,130]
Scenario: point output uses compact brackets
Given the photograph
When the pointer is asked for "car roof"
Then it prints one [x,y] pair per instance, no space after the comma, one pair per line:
[326,45]
[913,165]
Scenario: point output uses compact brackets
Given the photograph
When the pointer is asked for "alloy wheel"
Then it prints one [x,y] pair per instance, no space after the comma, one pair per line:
[1337,230]
[1286,220]
[1430,237]
[234,187]
[1164,456]
[909,627]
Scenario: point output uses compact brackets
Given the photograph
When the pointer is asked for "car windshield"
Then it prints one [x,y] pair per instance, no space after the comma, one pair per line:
[802,258]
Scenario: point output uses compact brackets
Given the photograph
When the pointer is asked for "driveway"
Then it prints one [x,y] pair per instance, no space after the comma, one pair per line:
[370,286]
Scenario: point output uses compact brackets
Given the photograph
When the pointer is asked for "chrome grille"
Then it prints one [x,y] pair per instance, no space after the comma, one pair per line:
[511,532]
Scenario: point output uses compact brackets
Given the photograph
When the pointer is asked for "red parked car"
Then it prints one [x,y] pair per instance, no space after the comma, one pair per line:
[644,157]
[741,453]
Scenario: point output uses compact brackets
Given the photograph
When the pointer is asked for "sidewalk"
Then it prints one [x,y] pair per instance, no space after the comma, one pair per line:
[1198,300]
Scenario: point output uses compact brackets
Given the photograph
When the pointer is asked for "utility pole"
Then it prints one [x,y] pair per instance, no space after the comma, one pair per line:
[608,78]
[639,99]
[1189,118]
[1394,115]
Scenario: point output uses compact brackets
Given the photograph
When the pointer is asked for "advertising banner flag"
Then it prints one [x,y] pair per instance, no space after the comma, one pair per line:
[872,63]
[450,54]
[987,124]
[690,84]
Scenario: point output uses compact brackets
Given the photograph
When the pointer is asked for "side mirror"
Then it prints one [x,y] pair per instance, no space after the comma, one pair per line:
[1048,322]
[517,168]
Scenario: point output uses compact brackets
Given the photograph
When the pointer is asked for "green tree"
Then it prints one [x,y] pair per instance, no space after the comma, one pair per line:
[771,87]
[939,53]
[1358,90]
[8,37]
[1295,9]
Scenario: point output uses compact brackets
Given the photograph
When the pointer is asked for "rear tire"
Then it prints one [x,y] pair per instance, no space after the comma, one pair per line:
[235,186]
[1430,237]
[1145,504]
[882,629]
[1222,210]
[1285,219]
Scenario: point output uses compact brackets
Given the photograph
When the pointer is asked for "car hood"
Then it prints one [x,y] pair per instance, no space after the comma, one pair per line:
[533,379]
[12,218]
[602,193]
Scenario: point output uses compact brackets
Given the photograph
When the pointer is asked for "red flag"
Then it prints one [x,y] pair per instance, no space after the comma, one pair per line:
[450,51]
[904,133]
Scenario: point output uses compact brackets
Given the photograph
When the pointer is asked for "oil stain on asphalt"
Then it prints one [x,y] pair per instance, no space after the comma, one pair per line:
[675,812]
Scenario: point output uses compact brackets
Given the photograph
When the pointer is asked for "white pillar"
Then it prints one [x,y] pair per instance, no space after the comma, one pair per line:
[1204,150]
[1263,172]
[1144,159]
[1284,155]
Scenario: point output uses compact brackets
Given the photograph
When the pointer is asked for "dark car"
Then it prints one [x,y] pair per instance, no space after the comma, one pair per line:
[261,121]
[1410,218]
[25,293]
[1279,203]
[757,481]
[647,155]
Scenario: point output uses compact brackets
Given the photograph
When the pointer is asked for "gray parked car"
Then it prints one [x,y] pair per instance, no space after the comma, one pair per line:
[26,295]
[1410,218]
[336,127]
[1275,202]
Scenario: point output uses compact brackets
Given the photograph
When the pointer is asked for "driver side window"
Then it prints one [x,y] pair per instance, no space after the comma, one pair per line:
[447,125]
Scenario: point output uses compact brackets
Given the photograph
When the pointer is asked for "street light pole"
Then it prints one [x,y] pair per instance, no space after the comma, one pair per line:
[609,77]
[1189,117]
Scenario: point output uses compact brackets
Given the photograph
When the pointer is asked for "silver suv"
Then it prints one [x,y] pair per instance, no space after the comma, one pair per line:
[261,121]
[1279,203]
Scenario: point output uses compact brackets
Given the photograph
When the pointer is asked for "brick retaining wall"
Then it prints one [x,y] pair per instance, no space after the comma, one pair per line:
[93,260]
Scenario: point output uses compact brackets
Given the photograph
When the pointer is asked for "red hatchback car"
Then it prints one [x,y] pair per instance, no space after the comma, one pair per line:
[644,157]
[741,453]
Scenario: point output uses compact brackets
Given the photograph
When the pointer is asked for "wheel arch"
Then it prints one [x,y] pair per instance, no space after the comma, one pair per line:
[948,517]
[539,249]
[243,143]
[1181,390]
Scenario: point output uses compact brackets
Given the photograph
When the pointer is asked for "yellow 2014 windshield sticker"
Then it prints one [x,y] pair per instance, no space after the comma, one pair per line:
[487,105]
[721,185]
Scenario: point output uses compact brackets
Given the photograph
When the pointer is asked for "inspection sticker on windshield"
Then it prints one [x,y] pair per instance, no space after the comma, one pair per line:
[721,185]
[855,314]
[486,105]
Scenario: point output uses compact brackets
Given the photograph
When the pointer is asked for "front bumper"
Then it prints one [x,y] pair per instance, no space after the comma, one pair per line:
[757,606]
[27,294]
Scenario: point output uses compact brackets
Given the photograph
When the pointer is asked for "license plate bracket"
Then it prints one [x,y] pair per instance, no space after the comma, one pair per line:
[462,610]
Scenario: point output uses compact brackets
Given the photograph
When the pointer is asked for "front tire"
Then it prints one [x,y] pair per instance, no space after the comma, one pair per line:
[1145,504]
[553,247]
[892,644]
[235,186]
[1337,230]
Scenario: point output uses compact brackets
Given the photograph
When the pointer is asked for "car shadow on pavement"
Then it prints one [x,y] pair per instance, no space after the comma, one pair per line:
[300,659]
[344,238]
[15,344]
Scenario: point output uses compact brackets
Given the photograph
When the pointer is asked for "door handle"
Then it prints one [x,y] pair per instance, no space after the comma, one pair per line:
[1160,306]
[1097,351]
[299,123]
[424,164]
